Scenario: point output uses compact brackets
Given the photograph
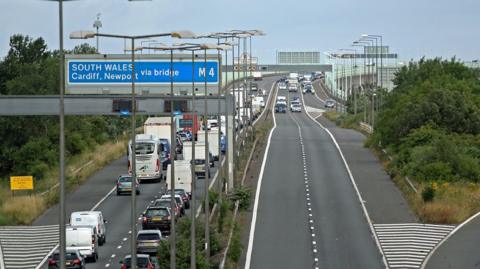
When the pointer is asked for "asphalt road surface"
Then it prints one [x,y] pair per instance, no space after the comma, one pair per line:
[309,215]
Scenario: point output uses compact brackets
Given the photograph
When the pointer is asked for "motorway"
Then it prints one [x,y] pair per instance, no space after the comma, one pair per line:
[97,193]
[308,213]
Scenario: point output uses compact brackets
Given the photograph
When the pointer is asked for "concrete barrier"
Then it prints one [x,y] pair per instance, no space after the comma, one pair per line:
[366,127]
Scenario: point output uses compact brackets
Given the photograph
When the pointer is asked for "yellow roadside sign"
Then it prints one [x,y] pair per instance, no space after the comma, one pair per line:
[21,183]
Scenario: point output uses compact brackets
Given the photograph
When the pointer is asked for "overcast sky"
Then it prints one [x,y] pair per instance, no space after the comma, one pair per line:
[412,28]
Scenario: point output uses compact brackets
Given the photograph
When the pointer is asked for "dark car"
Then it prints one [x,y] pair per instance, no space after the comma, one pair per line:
[185,135]
[124,185]
[144,261]
[166,203]
[183,194]
[157,218]
[281,108]
[73,260]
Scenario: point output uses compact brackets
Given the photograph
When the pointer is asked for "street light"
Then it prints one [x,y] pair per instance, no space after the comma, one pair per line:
[97,24]
[381,54]
[365,37]
[353,64]
[91,34]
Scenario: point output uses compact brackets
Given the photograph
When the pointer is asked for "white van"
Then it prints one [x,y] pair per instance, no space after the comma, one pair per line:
[91,218]
[83,239]
[183,175]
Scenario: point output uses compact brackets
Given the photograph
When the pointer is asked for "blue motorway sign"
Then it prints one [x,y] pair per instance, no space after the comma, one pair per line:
[152,72]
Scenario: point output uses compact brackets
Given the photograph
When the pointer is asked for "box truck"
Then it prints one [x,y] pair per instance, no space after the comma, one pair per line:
[199,157]
[183,175]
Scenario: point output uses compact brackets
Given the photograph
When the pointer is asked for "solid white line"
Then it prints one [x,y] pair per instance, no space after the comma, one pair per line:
[352,179]
[268,100]
[57,245]
[446,238]
[257,193]
[199,210]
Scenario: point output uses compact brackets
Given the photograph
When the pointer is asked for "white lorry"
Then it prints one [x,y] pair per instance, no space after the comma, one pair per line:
[183,175]
[212,142]
[199,157]
[257,76]
[158,126]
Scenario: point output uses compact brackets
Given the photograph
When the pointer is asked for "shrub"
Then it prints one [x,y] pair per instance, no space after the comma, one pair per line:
[428,193]
[243,195]
[236,248]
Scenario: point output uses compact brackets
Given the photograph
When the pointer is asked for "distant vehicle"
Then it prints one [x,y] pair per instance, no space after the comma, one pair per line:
[144,261]
[260,100]
[329,103]
[212,137]
[185,135]
[124,185]
[281,107]
[150,154]
[183,194]
[281,98]
[179,201]
[295,108]
[148,241]
[74,260]
[212,124]
[223,144]
[307,77]
[253,87]
[292,87]
[159,127]
[167,203]
[157,218]
[183,176]
[308,89]
[91,218]
[257,76]
[296,102]
[83,240]
[295,98]
[282,86]
[293,76]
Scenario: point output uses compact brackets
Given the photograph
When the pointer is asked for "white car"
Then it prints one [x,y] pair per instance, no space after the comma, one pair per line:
[281,98]
[295,107]
[282,86]
[91,218]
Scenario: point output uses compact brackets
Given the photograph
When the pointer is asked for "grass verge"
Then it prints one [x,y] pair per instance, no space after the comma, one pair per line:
[450,202]
[18,209]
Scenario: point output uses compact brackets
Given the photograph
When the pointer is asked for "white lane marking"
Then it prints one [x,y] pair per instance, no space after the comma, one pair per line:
[113,256]
[40,265]
[107,265]
[129,232]
[125,239]
[257,192]
[119,246]
[352,179]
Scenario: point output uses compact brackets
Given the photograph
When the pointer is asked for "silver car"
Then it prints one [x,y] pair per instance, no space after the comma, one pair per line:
[148,241]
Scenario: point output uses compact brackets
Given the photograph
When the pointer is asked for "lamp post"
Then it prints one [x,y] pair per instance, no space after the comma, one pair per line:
[352,88]
[373,39]
[97,24]
[381,54]
[90,34]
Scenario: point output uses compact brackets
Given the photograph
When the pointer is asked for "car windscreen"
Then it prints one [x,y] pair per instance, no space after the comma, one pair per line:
[84,220]
[141,262]
[156,212]
[151,236]
[163,203]
[125,179]
[199,161]
[68,256]
[144,148]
